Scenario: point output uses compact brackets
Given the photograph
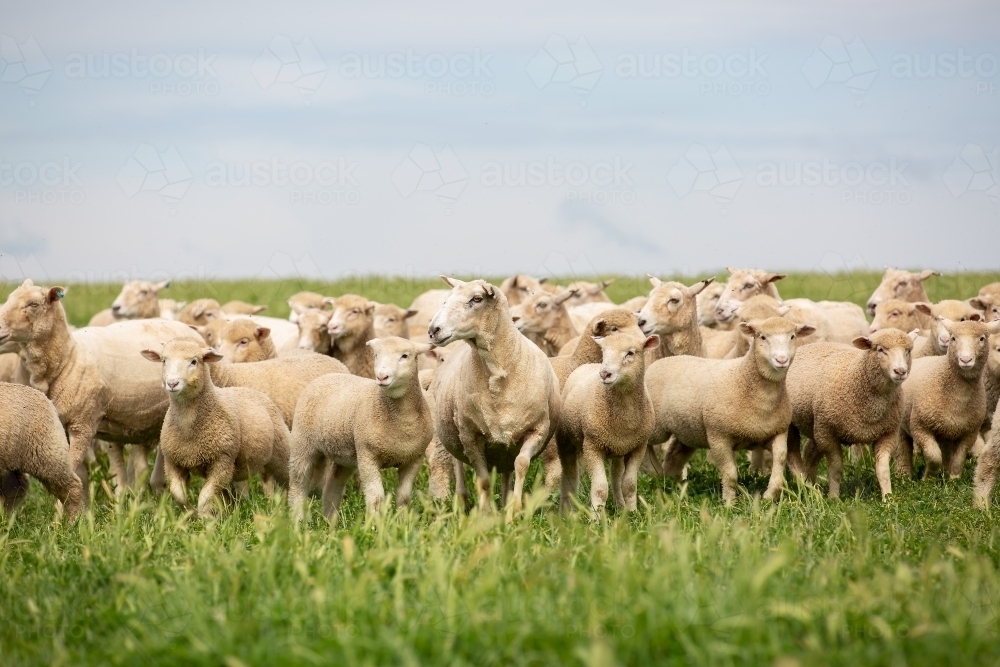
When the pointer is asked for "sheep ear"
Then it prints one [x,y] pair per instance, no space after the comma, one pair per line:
[948,324]
[328,301]
[56,293]
[197,311]
[913,334]
[774,277]
[747,328]
[994,327]
[489,290]
[862,343]
[654,281]
[158,286]
[515,318]
[373,340]
[652,342]
[454,282]
[28,282]
[805,329]
[370,308]
[423,348]
[926,273]
[261,333]
[976,317]
[410,313]
[542,280]
[180,305]
[211,356]
[563,296]
[151,355]
[259,309]
[598,328]
[731,269]
[296,307]
[924,308]
[784,310]
[978,303]
[697,288]
[606,283]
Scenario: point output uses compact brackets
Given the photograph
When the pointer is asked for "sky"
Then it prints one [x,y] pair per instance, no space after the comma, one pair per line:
[262,139]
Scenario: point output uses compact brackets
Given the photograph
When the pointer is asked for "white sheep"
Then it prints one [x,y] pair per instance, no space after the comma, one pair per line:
[426,305]
[200,312]
[903,285]
[137,300]
[545,316]
[607,413]
[725,405]
[240,340]
[672,314]
[351,326]
[33,442]
[365,425]
[936,342]
[587,292]
[519,287]
[170,309]
[224,435]
[306,300]
[708,299]
[391,320]
[842,395]
[497,400]
[897,314]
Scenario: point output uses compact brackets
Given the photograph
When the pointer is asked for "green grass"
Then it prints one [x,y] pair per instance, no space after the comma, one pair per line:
[683,581]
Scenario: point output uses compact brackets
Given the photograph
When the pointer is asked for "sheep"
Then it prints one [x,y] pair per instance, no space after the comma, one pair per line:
[94,375]
[239,341]
[351,326]
[944,401]
[545,316]
[672,314]
[607,413]
[425,305]
[519,287]
[313,332]
[587,292]
[12,370]
[200,312]
[582,314]
[391,320]
[304,300]
[33,442]
[989,304]
[842,395]
[137,300]
[724,405]
[743,284]
[170,309]
[990,289]
[242,308]
[224,435]
[903,285]
[897,314]
[365,425]
[936,343]
[497,400]
[991,381]
[707,301]
[730,344]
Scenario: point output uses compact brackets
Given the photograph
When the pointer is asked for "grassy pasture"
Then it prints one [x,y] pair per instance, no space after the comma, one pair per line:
[683,581]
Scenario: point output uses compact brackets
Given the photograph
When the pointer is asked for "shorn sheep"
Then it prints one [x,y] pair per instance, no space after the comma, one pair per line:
[223,435]
[848,396]
[32,442]
[365,425]
[724,405]
[497,400]
[607,413]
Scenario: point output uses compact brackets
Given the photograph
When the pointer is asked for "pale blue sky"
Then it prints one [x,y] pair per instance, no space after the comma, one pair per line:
[259,144]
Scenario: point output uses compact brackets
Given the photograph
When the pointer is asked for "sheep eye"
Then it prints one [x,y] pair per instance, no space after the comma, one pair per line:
[543,306]
[194,362]
[748,286]
[895,313]
[982,339]
[793,336]
[245,341]
[763,337]
[674,301]
[405,356]
[477,299]
[143,293]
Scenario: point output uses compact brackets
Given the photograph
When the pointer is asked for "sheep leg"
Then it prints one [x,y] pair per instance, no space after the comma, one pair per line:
[630,478]
[301,468]
[80,437]
[987,468]
[219,476]
[677,457]
[779,456]
[116,459]
[551,464]
[13,487]
[531,448]
[440,470]
[333,490]
[504,488]
[407,476]
[980,445]
[835,470]
[593,462]
[370,477]
[883,449]
[795,453]
[903,456]
[138,463]
[477,459]
[157,481]
[617,472]
[928,446]
[756,456]
[461,489]
[177,478]
[811,456]
[721,454]
[568,458]
[958,456]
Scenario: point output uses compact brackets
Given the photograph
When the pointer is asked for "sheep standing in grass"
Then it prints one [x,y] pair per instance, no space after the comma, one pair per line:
[725,405]
[497,400]
[936,342]
[32,442]
[672,314]
[842,395]
[987,467]
[351,326]
[903,285]
[945,401]
[543,316]
[223,435]
[365,425]
[137,301]
[607,413]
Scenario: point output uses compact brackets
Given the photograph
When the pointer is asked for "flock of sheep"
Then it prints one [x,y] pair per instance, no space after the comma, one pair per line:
[493,377]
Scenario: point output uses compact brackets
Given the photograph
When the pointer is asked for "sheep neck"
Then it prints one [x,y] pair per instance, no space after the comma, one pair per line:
[46,356]
[683,341]
[873,378]
[959,383]
[561,332]
[759,379]
[494,349]
[205,401]
[401,397]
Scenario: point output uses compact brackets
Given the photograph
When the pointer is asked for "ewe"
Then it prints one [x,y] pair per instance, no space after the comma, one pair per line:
[391,320]
[200,312]
[137,301]
[607,413]
[936,342]
[545,317]
[897,314]
[306,300]
[223,435]
[365,425]
[351,326]
[903,285]
[727,404]
[497,400]
[239,341]
[672,314]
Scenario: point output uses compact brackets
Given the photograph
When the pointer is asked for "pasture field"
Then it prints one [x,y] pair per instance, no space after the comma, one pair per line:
[684,580]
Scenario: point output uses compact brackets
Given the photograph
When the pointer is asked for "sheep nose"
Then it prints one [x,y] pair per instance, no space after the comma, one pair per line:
[382,378]
[642,322]
[433,331]
[873,328]
[172,384]
[781,360]
[115,308]
[871,307]
[899,372]
[606,375]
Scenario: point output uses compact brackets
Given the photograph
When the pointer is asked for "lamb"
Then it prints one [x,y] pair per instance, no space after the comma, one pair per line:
[170,309]
[743,284]
[842,395]
[587,292]
[239,341]
[992,289]
[391,320]
[725,405]
[242,308]
[313,332]
[497,400]
[903,285]
[936,343]
[708,299]
[545,316]
[362,424]
[607,413]
[351,326]
[32,442]
[672,314]
[519,287]
[223,435]
[94,376]
[200,312]
[137,300]
[989,304]
[305,300]
[944,401]
[897,314]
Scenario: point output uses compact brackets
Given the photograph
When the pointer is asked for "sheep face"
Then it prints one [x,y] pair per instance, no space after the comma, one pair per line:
[993,361]
[989,304]
[313,334]
[892,349]
[352,315]
[520,287]
[969,345]
[622,359]
[138,299]
[588,292]
[396,363]
[471,307]
[671,307]
[773,345]
[240,341]
[743,284]
[540,312]
[707,300]
[303,301]
[30,312]
[183,372]
[895,314]
[201,312]
[948,310]
[900,284]
[390,320]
